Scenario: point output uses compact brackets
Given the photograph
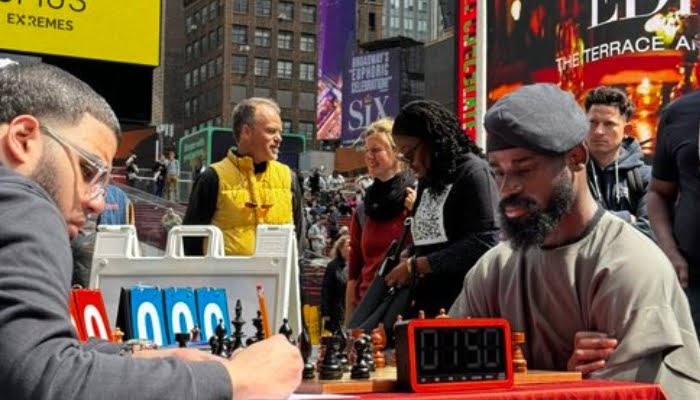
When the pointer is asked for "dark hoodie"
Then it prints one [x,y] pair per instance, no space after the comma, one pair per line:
[611,188]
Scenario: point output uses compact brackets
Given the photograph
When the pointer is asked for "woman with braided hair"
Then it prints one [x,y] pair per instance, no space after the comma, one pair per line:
[454,216]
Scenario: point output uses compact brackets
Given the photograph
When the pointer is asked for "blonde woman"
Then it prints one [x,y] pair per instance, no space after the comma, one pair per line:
[379,218]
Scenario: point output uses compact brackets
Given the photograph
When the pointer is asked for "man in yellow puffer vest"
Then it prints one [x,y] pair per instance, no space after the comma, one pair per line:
[249,186]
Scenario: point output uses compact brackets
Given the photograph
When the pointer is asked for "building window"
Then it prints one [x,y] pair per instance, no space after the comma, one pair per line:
[307,72]
[422,26]
[408,24]
[284,98]
[188,108]
[219,65]
[394,22]
[211,69]
[195,105]
[217,120]
[195,49]
[422,5]
[195,20]
[212,40]
[195,77]
[205,15]
[205,44]
[284,40]
[219,36]
[262,67]
[286,11]
[408,4]
[240,6]
[238,93]
[307,43]
[261,92]
[284,69]
[286,126]
[240,64]
[307,101]
[240,34]
[308,13]
[203,72]
[188,52]
[188,81]
[263,8]
[212,10]
[306,129]
[372,22]
[262,37]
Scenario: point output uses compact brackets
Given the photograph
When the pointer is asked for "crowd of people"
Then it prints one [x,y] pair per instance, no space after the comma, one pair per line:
[557,226]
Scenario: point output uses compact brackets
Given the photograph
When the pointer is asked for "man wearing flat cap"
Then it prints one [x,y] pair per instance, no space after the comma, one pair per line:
[590,292]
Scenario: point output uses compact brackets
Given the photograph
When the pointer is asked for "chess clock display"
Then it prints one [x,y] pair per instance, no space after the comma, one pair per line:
[453,354]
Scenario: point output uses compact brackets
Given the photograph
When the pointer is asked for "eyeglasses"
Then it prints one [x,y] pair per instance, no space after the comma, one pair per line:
[91,168]
[407,156]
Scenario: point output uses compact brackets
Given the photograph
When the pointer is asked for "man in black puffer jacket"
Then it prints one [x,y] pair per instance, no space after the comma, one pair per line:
[617,175]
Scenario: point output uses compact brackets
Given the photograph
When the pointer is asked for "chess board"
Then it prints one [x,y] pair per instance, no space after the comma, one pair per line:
[384,380]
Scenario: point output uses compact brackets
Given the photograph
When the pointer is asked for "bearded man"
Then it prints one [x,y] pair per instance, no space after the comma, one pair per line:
[591,292]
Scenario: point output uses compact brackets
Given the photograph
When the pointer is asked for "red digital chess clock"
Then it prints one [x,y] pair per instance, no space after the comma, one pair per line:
[453,354]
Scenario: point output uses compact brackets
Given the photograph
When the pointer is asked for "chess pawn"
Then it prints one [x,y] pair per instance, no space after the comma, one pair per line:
[421,314]
[330,367]
[368,354]
[194,334]
[117,335]
[519,361]
[379,342]
[442,314]
[355,334]
[342,354]
[392,362]
[286,330]
[360,370]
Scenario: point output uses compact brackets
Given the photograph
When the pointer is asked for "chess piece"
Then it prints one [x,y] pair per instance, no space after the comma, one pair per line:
[519,361]
[182,338]
[194,334]
[421,314]
[442,314]
[237,337]
[259,331]
[354,335]
[305,348]
[286,330]
[368,353]
[360,370]
[379,342]
[218,341]
[330,367]
[342,354]
[117,335]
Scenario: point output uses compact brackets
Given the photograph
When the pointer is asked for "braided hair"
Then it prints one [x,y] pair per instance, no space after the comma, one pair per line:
[431,122]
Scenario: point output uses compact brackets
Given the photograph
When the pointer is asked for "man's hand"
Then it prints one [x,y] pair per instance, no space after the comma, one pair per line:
[591,351]
[681,267]
[410,198]
[399,276]
[270,369]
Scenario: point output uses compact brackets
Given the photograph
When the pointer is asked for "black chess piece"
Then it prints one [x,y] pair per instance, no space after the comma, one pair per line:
[218,341]
[305,347]
[286,330]
[259,332]
[331,368]
[360,370]
[343,354]
[182,338]
[237,337]
[368,354]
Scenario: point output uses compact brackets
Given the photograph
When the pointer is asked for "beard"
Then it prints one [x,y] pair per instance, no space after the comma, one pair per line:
[45,174]
[534,227]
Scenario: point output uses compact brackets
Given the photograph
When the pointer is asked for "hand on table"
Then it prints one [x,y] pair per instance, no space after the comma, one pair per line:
[591,351]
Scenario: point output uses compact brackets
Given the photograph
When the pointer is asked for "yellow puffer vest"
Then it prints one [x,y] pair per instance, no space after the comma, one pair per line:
[246,200]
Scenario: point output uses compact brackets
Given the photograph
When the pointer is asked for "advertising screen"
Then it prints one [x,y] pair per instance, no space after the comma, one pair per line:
[126,31]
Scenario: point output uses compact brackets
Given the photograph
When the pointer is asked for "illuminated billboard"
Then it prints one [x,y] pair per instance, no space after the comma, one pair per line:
[126,31]
[642,47]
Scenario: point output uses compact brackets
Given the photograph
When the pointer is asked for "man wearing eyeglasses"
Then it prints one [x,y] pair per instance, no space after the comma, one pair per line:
[249,186]
[57,141]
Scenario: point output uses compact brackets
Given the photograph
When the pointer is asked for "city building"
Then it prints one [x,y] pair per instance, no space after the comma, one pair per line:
[370,14]
[420,20]
[236,49]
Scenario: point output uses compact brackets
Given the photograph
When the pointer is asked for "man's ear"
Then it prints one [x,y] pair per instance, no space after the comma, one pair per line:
[577,158]
[22,142]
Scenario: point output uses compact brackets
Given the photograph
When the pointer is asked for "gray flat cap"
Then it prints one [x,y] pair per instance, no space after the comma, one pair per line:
[539,117]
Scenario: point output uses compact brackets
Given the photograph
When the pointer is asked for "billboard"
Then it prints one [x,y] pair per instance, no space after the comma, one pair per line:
[467,64]
[336,38]
[125,31]
[642,47]
[371,90]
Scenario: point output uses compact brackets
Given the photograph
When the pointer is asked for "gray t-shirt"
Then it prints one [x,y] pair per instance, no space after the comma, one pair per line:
[613,280]
[40,356]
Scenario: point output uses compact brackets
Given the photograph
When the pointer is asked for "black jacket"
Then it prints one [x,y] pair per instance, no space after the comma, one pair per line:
[611,186]
[333,293]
